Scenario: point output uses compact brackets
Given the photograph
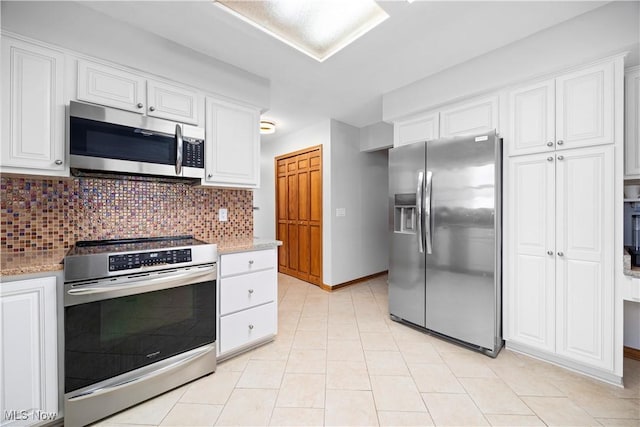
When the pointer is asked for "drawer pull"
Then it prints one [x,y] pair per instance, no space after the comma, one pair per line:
[250,262]
[250,291]
[250,327]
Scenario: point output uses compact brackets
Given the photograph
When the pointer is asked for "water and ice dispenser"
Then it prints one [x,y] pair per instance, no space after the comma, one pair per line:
[405,214]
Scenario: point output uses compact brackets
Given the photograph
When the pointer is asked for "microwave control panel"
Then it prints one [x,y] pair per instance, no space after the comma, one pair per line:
[144,259]
[193,153]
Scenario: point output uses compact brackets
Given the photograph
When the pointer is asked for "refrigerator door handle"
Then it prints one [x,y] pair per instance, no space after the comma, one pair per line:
[428,218]
[419,204]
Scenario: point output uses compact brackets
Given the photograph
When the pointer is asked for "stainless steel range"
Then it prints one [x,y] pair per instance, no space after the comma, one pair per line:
[139,319]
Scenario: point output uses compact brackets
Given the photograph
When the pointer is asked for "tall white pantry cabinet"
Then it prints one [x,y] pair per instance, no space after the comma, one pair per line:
[562,190]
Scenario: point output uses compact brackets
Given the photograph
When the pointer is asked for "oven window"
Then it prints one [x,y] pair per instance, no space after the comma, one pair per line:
[107,338]
[110,141]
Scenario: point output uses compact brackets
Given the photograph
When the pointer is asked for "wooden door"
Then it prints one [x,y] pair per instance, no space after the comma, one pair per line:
[299,214]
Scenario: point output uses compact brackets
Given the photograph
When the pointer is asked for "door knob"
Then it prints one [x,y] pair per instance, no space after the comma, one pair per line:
[560,253]
[250,327]
[140,105]
[549,159]
[549,252]
[560,142]
[209,176]
[250,291]
[152,108]
[550,144]
[560,157]
[250,262]
[58,162]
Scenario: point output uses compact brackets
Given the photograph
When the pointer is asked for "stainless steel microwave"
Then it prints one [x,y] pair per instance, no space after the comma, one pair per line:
[110,140]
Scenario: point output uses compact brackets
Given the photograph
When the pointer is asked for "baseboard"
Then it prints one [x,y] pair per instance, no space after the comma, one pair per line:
[632,353]
[330,288]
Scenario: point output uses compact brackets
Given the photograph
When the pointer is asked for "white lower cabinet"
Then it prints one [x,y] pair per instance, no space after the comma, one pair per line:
[247,300]
[29,349]
[559,255]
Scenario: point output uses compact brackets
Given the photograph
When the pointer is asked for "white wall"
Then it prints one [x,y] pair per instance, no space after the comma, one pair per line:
[631,324]
[377,136]
[360,186]
[609,29]
[74,26]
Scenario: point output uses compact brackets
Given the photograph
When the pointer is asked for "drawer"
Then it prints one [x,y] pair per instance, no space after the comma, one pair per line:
[247,290]
[246,262]
[247,326]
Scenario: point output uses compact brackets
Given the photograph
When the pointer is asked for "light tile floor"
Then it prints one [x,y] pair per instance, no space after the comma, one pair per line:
[338,360]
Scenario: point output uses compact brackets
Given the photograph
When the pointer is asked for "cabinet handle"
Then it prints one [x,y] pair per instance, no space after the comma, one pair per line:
[250,327]
[560,157]
[250,262]
[550,144]
[58,162]
[549,159]
[560,253]
[549,252]
[152,108]
[250,291]
[560,142]
[209,176]
[140,105]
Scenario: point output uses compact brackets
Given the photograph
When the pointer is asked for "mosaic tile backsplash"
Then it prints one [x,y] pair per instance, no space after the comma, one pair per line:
[50,214]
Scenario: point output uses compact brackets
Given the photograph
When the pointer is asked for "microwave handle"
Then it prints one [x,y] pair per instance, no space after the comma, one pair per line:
[179,143]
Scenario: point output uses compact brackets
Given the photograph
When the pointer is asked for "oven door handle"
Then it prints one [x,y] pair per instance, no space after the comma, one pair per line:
[168,281]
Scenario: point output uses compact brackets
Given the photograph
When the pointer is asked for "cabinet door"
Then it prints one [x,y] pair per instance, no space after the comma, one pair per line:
[29,347]
[232,145]
[532,119]
[108,86]
[423,128]
[173,103]
[584,262]
[470,118]
[632,124]
[530,269]
[32,108]
[584,107]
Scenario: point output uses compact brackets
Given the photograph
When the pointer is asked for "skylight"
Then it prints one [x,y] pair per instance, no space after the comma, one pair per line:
[318,28]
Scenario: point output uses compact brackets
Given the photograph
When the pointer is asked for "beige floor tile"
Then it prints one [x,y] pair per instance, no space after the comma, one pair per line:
[313,323]
[607,407]
[403,332]
[453,410]
[310,340]
[435,378]
[391,419]
[493,396]
[420,352]
[559,411]
[340,318]
[274,350]
[347,376]
[396,393]
[378,341]
[350,408]
[235,364]
[248,407]
[525,383]
[262,374]
[302,391]
[372,324]
[192,414]
[348,331]
[345,350]
[385,363]
[214,389]
[468,365]
[617,422]
[312,361]
[513,420]
[150,412]
[297,417]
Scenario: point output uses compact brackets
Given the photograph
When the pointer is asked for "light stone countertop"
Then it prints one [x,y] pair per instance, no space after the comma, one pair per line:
[255,244]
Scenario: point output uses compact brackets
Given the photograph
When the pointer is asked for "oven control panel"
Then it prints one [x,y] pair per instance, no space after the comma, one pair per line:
[144,259]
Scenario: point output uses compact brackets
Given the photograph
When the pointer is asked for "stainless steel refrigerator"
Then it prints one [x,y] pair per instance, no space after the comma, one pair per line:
[445,254]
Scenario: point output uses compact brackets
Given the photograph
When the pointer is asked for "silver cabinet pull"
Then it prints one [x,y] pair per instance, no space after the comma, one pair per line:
[250,262]
[550,144]
[560,253]
[209,176]
[560,142]
[139,105]
[560,157]
[250,291]
[250,327]
[178,150]
[58,162]
[549,252]
[549,159]
[152,108]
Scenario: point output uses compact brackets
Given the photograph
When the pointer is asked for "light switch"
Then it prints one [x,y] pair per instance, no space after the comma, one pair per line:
[222,214]
[341,212]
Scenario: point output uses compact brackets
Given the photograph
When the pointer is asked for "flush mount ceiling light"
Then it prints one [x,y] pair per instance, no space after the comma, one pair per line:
[267,127]
[318,28]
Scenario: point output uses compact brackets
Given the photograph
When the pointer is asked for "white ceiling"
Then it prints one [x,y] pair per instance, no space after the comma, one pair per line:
[419,39]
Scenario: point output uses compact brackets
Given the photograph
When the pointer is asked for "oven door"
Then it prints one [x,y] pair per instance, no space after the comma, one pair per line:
[120,325]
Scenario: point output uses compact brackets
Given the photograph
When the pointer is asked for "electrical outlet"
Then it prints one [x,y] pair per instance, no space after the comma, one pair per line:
[341,212]
[222,214]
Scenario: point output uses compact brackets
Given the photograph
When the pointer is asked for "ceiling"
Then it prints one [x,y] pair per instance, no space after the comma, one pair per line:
[418,39]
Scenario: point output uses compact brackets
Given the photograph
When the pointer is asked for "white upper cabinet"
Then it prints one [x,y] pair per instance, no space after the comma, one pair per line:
[422,128]
[33,114]
[232,147]
[570,111]
[469,118]
[632,124]
[532,118]
[584,107]
[104,85]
